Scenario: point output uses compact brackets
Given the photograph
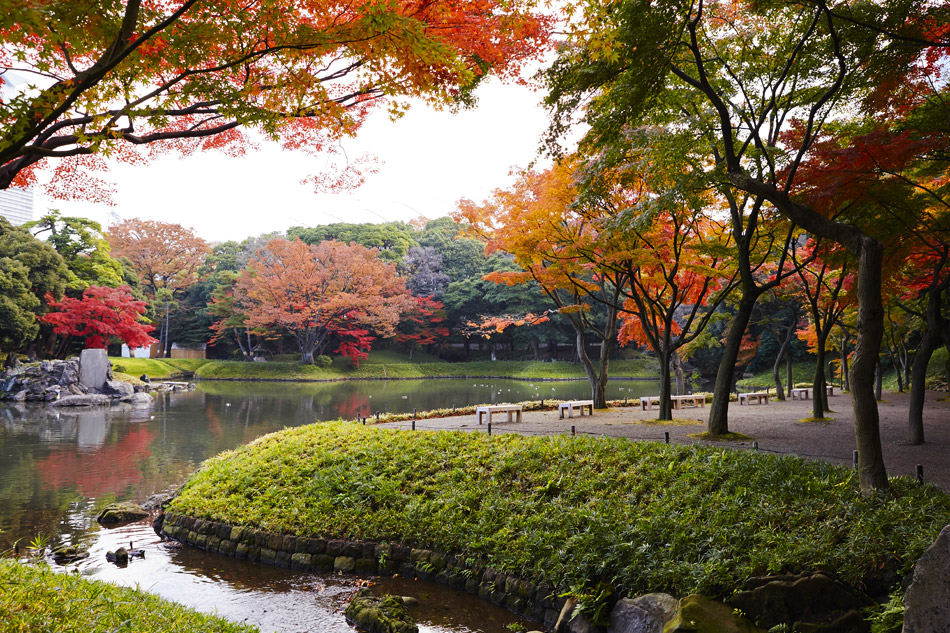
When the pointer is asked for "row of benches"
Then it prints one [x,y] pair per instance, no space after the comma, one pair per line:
[800,393]
[646,403]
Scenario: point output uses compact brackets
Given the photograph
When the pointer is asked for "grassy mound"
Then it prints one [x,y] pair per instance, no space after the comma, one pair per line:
[35,599]
[571,511]
[157,368]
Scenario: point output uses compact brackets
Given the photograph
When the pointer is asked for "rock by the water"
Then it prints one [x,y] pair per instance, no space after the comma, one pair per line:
[380,615]
[927,601]
[699,614]
[124,512]
[643,614]
[85,400]
[774,600]
[94,368]
[117,388]
[65,554]
[141,399]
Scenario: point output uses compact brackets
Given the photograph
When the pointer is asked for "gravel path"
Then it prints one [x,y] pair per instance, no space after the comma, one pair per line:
[775,427]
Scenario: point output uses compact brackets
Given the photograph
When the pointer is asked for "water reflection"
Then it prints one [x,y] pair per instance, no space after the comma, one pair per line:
[59,467]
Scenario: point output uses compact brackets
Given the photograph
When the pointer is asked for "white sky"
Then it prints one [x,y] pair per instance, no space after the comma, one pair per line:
[428,160]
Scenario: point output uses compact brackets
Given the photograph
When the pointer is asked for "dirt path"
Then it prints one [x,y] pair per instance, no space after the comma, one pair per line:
[775,427]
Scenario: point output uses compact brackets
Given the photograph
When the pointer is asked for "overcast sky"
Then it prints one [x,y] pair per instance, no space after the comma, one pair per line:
[428,161]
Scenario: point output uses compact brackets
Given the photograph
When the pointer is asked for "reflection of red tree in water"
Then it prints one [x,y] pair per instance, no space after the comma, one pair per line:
[110,469]
[355,405]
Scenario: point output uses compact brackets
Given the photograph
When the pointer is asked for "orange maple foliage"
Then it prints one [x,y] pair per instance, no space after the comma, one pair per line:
[135,78]
[319,291]
[164,255]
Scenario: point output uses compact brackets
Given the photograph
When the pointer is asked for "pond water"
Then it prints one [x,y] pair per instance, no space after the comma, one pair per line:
[58,467]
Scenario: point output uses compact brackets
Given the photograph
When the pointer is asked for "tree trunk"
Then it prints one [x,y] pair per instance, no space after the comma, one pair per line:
[666,405]
[918,386]
[789,377]
[818,383]
[861,375]
[719,408]
[678,371]
[782,354]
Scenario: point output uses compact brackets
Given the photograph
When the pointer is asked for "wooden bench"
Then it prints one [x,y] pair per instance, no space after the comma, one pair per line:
[804,393]
[680,401]
[498,408]
[647,402]
[570,405]
[758,396]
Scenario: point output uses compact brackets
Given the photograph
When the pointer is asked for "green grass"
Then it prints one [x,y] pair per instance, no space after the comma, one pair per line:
[158,368]
[35,599]
[572,511]
[341,370]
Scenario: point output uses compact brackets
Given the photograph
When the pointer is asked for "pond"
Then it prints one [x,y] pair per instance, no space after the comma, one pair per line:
[58,467]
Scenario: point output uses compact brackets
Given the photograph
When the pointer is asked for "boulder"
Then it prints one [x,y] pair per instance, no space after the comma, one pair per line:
[387,614]
[927,601]
[118,513]
[141,399]
[643,614]
[86,400]
[117,389]
[774,600]
[699,614]
[65,554]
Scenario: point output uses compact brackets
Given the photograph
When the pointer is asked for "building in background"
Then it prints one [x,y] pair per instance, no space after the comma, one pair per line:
[16,205]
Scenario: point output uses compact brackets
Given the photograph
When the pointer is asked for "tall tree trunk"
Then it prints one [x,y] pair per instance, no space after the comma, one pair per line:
[818,383]
[666,386]
[870,328]
[789,376]
[678,372]
[779,357]
[918,386]
[719,408]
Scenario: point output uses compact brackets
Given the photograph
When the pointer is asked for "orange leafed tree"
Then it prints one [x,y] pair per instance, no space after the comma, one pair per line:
[133,78]
[164,255]
[320,291]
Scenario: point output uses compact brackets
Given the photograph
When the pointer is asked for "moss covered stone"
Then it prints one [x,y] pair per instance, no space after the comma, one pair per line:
[388,614]
[699,614]
[118,513]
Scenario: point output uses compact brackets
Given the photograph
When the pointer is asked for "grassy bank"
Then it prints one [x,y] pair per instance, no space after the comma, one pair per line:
[157,367]
[341,370]
[35,599]
[571,511]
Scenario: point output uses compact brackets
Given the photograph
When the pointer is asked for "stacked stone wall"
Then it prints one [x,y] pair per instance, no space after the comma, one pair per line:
[535,601]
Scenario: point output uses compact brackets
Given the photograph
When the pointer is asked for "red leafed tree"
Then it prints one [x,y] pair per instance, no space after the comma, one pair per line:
[164,255]
[101,314]
[421,325]
[133,78]
[320,293]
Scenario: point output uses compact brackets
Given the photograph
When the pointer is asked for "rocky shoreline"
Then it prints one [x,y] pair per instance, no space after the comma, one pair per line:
[84,381]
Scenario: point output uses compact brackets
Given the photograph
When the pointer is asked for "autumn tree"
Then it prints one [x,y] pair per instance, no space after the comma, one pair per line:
[536,222]
[166,257]
[102,314]
[320,291]
[756,83]
[422,325]
[133,78]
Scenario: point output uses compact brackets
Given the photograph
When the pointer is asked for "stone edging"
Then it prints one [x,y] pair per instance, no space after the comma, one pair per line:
[535,601]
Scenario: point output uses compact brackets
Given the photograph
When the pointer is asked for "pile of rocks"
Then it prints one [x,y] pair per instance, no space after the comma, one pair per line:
[75,382]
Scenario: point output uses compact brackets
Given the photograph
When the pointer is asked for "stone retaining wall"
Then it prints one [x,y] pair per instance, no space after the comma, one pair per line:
[535,601]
